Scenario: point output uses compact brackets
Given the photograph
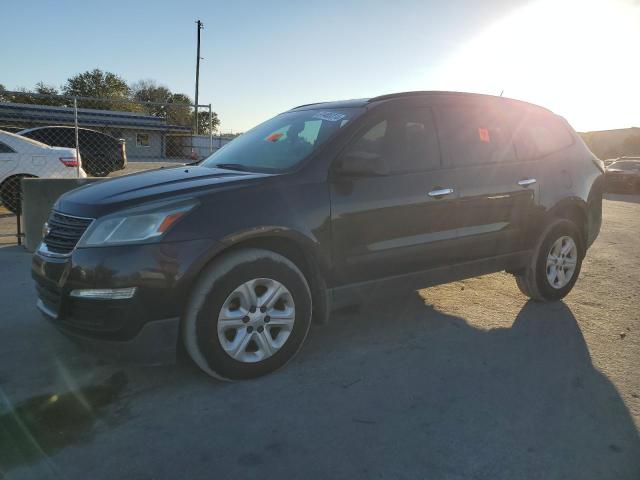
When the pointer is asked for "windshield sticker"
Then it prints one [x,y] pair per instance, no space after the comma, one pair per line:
[483,133]
[330,116]
[274,137]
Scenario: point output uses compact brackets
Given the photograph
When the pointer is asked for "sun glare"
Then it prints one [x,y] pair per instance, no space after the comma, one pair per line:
[576,57]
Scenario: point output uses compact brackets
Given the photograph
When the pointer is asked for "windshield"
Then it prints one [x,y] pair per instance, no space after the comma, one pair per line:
[282,142]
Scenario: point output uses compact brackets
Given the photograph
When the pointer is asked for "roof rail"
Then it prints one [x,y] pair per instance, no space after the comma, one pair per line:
[418,93]
[307,105]
[403,94]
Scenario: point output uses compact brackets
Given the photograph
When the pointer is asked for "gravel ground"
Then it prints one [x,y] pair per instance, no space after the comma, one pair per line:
[465,380]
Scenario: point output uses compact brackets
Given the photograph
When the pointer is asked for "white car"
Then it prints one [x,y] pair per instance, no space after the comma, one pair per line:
[22,157]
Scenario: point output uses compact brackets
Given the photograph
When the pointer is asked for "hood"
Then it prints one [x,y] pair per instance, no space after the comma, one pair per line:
[107,196]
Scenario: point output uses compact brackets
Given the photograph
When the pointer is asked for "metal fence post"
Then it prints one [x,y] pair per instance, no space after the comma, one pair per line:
[75,122]
[210,130]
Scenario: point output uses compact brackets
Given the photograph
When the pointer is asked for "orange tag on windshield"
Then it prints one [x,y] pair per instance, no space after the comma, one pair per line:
[274,137]
[483,133]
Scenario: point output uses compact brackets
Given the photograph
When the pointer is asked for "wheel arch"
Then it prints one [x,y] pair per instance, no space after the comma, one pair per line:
[575,210]
[13,177]
[292,245]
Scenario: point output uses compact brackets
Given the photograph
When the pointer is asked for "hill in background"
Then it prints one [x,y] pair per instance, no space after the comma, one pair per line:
[614,143]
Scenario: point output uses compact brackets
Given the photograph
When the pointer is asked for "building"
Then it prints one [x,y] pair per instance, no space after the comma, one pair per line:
[146,136]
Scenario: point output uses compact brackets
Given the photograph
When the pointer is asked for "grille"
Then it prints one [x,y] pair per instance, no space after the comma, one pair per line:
[64,232]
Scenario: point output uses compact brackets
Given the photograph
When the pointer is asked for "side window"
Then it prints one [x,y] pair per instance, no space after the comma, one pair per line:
[406,140]
[475,135]
[538,134]
[371,143]
[4,148]
[96,141]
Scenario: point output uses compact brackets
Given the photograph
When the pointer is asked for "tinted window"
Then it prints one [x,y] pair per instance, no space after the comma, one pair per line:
[57,137]
[95,137]
[475,135]
[4,148]
[407,141]
[538,134]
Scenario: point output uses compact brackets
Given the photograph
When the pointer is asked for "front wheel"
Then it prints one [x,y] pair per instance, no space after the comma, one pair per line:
[555,264]
[248,315]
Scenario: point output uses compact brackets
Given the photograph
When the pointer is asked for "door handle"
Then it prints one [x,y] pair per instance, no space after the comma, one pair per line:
[440,192]
[526,182]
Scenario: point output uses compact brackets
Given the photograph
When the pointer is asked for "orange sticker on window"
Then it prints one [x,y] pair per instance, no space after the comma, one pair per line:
[274,137]
[483,133]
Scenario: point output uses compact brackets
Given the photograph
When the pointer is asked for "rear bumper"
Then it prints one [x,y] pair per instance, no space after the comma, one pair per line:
[594,211]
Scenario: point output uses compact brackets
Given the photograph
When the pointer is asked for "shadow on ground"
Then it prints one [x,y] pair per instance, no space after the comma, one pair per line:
[396,390]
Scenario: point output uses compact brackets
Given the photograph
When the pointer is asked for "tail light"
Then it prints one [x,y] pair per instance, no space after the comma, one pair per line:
[69,161]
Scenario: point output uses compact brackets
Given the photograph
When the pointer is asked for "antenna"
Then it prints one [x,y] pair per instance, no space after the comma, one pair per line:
[501,92]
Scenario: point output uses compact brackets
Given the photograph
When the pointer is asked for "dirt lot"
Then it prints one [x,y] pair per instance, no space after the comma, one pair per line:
[466,380]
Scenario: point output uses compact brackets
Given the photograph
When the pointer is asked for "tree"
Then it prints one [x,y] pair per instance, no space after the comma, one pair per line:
[52,96]
[96,83]
[203,122]
[179,112]
[149,91]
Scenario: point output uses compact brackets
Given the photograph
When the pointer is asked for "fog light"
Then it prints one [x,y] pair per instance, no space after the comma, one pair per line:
[105,293]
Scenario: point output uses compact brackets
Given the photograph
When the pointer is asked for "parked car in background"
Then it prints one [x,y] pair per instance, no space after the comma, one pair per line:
[101,153]
[623,175]
[22,157]
[319,207]
[11,129]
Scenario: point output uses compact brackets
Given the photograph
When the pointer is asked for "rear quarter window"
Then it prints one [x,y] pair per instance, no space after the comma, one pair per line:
[539,134]
[57,137]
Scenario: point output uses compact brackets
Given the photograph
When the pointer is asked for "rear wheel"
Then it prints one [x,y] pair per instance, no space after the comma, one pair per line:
[555,264]
[248,315]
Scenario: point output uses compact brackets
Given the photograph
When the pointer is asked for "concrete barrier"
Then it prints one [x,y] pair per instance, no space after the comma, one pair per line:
[38,196]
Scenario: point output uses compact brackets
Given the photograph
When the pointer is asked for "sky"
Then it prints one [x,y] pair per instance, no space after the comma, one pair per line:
[576,57]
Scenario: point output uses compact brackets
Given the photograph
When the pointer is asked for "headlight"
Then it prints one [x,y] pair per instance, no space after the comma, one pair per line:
[136,225]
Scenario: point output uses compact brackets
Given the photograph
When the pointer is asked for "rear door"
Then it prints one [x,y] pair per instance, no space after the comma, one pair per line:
[498,192]
[390,224]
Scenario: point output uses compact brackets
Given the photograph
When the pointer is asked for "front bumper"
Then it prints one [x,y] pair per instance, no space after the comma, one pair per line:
[144,328]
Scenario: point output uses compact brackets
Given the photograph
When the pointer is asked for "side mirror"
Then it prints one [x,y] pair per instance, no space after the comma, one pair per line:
[361,165]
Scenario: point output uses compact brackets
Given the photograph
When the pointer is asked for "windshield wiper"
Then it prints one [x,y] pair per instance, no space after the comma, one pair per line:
[232,166]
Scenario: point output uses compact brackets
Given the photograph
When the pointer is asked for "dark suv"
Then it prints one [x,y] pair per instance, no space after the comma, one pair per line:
[313,210]
[101,154]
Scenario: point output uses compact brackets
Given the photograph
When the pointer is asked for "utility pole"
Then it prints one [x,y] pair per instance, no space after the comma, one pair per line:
[200,26]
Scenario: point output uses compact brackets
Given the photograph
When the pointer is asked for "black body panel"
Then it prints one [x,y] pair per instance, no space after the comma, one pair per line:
[352,231]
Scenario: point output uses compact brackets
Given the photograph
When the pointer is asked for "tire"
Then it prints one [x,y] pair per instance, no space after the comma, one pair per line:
[535,282]
[216,344]
[93,173]
[11,193]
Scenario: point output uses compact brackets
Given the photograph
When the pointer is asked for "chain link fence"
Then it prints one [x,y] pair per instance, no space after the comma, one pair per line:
[56,136]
